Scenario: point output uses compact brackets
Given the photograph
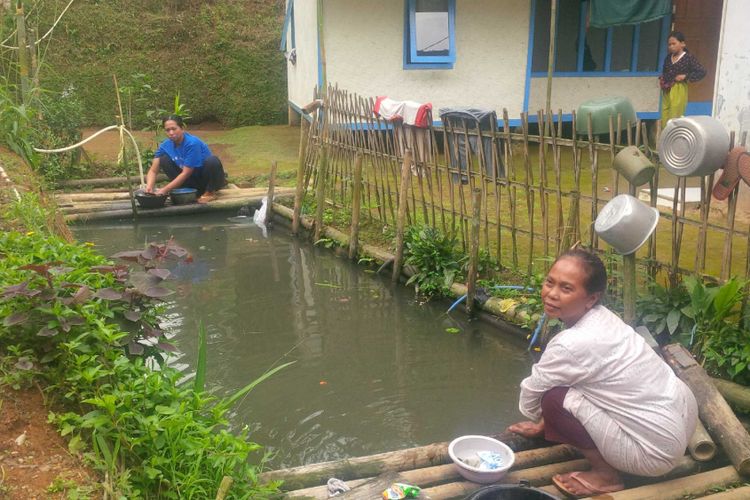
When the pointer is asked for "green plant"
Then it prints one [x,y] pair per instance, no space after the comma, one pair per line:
[435,257]
[58,126]
[76,323]
[666,312]
[30,212]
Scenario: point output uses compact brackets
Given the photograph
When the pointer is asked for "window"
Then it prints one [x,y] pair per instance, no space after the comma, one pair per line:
[429,34]
[288,43]
[580,49]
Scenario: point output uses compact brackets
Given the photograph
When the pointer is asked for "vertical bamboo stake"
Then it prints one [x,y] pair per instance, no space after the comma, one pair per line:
[543,132]
[594,158]
[628,288]
[299,192]
[471,275]
[356,201]
[322,45]
[528,183]
[511,190]
[726,261]
[226,484]
[320,194]
[269,196]
[401,221]
[23,54]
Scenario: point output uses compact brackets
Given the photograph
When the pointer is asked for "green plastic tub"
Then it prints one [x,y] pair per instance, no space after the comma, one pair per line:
[600,111]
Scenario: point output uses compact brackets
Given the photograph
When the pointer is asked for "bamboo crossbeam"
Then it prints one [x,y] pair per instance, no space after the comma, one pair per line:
[429,476]
[361,467]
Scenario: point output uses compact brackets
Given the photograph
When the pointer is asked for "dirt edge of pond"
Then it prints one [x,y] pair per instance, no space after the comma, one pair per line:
[34,458]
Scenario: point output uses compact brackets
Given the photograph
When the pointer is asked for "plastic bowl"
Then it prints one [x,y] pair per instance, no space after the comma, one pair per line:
[183,196]
[466,447]
[626,223]
[150,200]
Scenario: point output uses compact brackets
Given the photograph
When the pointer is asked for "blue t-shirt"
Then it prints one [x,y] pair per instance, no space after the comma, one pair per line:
[191,153]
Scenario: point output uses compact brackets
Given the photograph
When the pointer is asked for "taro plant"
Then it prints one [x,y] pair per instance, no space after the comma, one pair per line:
[435,258]
[65,314]
[666,312]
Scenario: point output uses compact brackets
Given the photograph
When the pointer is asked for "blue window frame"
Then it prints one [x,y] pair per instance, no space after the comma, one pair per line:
[581,50]
[288,28]
[429,34]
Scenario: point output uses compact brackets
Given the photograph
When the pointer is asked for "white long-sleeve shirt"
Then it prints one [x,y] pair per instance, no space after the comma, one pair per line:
[636,410]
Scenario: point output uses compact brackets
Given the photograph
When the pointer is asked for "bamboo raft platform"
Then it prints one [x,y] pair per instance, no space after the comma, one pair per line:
[430,468]
[90,206]
[715,470]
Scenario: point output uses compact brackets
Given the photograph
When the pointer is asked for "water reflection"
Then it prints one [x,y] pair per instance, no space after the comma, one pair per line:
[375,371]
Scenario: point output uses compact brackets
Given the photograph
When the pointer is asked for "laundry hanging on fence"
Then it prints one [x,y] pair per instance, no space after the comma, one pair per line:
[462,122]
[409,112]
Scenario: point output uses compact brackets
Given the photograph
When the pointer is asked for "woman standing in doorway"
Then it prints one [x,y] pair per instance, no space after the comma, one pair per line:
[680,67]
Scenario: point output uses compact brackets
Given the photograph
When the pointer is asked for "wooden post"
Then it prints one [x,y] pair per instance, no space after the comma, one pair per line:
[401,221]
[299,192]
[471,278]
[719,419]
[23,54]
[226,483]
[269,196]
[320,194]
[356,202]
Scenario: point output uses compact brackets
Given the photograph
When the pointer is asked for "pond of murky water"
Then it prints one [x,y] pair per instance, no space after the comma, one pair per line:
[375,370]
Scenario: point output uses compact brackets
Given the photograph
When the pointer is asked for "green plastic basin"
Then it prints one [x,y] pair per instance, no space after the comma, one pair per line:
[600,110]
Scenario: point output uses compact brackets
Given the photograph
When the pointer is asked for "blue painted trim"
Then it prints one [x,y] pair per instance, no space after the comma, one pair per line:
[287,21]
[699,108]
[581,38]
[608,37]
[529,57]
[597,74]
[666,24]
[410,39]
[302,114]
[428,65]
[635,47]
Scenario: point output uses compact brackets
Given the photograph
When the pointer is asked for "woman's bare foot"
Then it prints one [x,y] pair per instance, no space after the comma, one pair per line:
[528,428]
[602,478]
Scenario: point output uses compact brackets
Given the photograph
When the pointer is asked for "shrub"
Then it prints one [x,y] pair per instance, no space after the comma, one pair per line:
[435,257]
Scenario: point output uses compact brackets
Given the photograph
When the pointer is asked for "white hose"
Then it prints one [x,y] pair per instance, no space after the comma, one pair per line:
[121,128]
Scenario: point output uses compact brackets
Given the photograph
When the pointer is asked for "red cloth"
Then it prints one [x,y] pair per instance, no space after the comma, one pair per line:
[560,426]
[410,112]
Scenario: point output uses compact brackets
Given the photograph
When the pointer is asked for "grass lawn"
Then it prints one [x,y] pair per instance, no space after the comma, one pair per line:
[246,152]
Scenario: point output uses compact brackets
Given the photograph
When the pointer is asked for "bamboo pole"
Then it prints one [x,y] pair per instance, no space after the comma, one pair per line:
[320,194]
[737,395]
[715,413]
[226,484]
[543,197]
[372,465]
[741,493]
[528,182]
[356,201]
[536,476]
[511,190]
[269,196]
[471,275]
[683,487]
[436,474]
[726,261]
[299,193]
[401,221]
[701,446]
[23,54]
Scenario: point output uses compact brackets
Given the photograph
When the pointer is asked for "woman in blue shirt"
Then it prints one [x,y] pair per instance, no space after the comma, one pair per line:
[187,161]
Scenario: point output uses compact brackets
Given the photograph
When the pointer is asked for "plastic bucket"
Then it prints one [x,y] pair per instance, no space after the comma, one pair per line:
[634,166]
[693,146]
[510,492]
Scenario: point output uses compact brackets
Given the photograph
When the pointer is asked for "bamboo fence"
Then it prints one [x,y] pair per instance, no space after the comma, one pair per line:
[540,193]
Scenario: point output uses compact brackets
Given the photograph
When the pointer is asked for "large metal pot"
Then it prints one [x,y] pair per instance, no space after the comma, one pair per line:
[626,223]
[693,146]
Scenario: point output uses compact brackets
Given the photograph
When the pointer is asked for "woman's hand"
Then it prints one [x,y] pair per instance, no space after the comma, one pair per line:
[528,428]
[680,78]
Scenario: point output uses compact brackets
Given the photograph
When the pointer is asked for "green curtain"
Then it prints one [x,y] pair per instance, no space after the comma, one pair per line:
[606,13]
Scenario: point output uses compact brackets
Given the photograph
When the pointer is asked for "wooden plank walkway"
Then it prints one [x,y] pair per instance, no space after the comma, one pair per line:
[81,207]
[430,468]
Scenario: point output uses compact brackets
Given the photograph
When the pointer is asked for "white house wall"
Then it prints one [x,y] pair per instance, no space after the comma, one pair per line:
[303,76]
[569,92]
[364,42]
[732,94]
